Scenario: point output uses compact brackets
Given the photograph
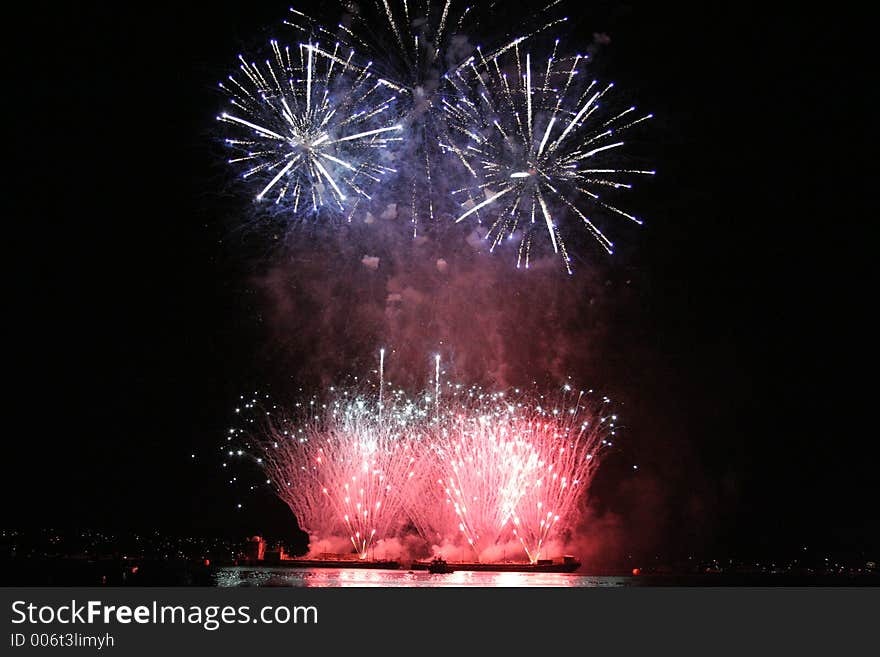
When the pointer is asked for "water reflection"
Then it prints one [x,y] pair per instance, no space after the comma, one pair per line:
[342,577]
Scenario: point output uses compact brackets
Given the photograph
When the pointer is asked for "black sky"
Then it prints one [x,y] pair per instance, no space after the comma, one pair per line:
[742,351]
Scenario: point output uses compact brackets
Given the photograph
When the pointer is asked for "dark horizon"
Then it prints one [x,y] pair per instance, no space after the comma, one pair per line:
[732,332]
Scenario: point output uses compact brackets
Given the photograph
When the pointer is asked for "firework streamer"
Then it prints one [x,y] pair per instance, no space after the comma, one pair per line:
[381,379]
[427,508]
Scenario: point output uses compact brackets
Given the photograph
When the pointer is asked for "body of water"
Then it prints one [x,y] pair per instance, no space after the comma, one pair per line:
[342,577]
[280,576]
[24,572]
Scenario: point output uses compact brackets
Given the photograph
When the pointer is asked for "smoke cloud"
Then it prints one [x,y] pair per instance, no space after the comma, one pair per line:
[330,305]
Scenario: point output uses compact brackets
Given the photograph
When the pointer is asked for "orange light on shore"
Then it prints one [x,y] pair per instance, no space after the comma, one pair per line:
[637,571]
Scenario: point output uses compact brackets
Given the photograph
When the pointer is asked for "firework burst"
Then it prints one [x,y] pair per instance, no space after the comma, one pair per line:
[342,467]
[514,465]
[471,469]
[415,44]
[310,128]
[539,148]
[569,441]
[484,468]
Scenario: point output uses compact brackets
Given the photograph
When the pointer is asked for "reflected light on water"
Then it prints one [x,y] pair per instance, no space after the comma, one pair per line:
[344,577]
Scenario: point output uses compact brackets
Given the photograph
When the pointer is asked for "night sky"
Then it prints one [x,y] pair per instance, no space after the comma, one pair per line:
[740,348]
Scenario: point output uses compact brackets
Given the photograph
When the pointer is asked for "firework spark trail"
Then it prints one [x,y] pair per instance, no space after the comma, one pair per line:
[533,137]
[426,504]
[312,127]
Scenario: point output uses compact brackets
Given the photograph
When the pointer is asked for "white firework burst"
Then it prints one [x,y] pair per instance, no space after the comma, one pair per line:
[539,148]
[414,44]
[311,126]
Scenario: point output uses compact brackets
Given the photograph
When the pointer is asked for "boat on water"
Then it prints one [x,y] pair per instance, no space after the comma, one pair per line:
[439,565]
[567,564]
